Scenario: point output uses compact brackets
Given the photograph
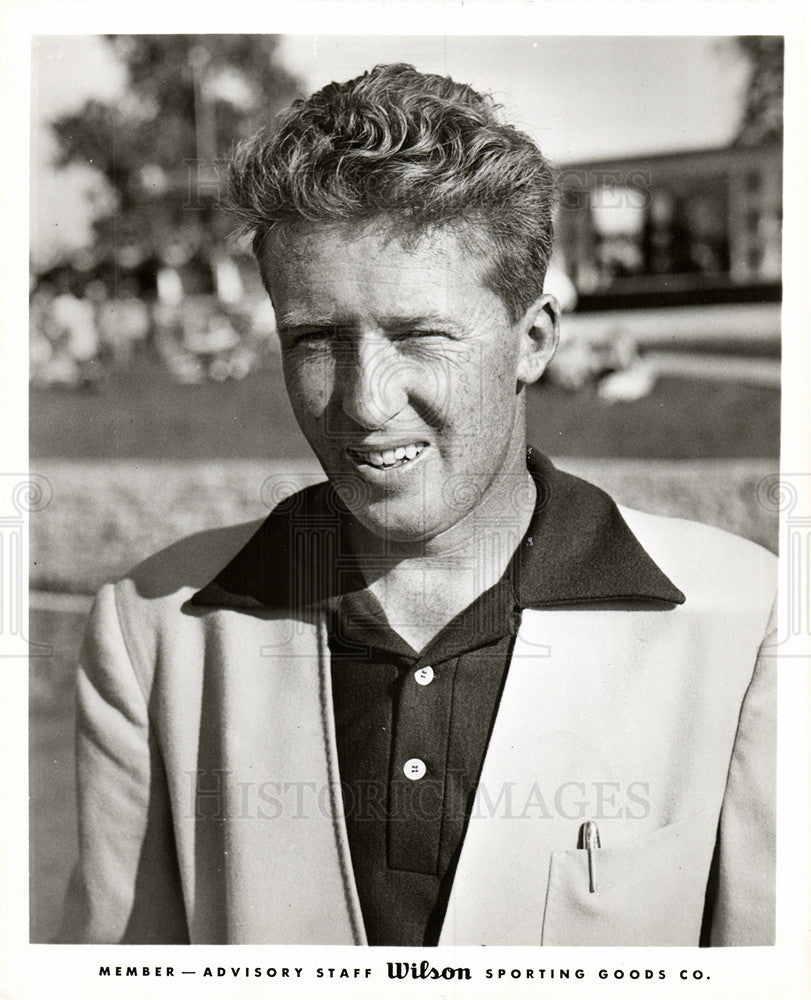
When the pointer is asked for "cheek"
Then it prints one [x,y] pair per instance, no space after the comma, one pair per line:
[485,388]
[434,384]
[309,382]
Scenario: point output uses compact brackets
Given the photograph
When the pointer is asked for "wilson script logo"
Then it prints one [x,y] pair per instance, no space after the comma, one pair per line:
[410,970]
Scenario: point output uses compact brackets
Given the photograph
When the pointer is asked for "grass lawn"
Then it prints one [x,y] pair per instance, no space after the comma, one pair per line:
[683,418]
[142,413]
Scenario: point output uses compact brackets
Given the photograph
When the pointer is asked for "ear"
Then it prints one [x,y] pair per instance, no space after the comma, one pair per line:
[540,330]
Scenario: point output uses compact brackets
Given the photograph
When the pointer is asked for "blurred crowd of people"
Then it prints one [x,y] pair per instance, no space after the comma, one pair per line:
[81,334]
[611,361]
[79,338]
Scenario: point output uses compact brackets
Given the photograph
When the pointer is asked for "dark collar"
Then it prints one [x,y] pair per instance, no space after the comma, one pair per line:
[577,550]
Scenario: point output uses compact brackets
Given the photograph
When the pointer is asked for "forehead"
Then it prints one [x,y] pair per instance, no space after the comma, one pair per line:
[366,265]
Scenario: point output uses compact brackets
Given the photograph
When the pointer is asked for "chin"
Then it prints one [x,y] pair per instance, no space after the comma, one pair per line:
[394,529]
[395,525]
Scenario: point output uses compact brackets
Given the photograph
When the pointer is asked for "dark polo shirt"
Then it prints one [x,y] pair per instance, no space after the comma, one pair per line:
[412,728]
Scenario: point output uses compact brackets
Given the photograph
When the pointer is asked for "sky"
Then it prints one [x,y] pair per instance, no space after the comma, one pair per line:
[578,96]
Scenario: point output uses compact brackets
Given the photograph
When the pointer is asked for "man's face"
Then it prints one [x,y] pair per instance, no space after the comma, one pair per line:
[404,372]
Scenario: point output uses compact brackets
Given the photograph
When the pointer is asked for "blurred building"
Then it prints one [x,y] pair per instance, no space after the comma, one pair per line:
[680,228]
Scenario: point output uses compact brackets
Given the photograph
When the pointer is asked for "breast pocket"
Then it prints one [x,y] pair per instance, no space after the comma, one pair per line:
[648,891]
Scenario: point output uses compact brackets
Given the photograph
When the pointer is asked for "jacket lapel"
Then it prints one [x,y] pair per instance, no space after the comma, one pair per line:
[268,820]
[501,853]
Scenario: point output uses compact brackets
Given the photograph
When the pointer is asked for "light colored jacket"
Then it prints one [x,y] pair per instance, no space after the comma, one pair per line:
[210,804]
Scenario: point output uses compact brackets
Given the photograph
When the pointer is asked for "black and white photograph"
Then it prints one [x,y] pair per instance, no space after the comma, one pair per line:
[403,512]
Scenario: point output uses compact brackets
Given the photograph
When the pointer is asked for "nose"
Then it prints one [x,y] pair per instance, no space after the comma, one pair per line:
[372,380]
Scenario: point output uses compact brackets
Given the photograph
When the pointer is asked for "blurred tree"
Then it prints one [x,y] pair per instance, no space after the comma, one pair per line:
[163,145]
[762,115]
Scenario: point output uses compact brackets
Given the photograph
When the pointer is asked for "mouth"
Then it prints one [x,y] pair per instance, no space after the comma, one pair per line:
[386,459]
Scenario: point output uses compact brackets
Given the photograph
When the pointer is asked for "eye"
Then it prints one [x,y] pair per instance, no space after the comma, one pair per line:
[315,337]
[312,336]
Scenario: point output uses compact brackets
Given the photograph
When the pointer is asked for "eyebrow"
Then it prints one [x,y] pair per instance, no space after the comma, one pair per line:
[395,323]
[302,326]
[421,320]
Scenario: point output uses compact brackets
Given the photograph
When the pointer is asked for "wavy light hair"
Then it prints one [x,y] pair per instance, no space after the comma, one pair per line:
[416,149]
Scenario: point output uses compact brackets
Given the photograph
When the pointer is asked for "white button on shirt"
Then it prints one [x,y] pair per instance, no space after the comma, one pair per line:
[424,675]
[414,769]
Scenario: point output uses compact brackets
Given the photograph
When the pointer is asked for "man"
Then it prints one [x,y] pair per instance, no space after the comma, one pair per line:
[452,695]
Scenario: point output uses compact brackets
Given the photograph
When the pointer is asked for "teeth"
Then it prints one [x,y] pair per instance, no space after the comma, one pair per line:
[391,456]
